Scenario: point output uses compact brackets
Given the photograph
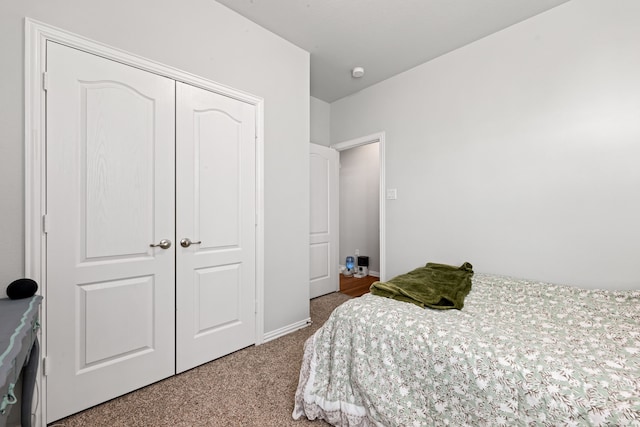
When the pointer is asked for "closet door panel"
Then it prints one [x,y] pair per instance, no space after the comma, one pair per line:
[215,170]
[110,194]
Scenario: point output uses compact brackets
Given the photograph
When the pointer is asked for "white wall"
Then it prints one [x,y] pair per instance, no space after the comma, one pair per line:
[206,39]
[518,153]
[320,122]
[360,203]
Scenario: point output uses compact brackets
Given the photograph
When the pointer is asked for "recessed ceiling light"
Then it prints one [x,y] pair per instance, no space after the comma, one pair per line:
[357,72]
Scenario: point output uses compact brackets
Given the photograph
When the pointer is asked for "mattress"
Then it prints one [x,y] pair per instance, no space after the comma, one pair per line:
[519,353]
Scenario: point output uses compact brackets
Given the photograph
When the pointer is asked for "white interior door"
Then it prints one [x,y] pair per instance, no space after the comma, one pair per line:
[216,211]
[323,250]
[110,194]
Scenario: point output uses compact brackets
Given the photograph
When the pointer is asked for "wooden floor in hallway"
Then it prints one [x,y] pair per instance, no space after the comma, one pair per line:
[356,287]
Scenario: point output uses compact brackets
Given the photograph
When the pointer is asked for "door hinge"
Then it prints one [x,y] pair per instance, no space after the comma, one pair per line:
[45,80]
[45,224]
[46,366]
[255,306]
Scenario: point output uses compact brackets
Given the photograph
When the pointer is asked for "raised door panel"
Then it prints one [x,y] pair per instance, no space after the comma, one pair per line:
[218,151]
[320,204]
[114,152]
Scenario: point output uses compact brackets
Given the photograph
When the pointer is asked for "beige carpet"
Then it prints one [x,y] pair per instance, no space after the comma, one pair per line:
[252,387]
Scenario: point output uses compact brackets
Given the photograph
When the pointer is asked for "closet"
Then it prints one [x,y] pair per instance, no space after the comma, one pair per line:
[150,228]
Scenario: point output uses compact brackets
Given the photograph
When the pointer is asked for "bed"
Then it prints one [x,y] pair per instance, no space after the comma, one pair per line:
[518,353]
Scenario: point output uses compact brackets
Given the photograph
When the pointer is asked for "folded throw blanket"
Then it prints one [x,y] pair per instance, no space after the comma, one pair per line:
[438,286]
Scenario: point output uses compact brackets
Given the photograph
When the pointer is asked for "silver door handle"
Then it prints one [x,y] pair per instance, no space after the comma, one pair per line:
[164,244]
[185,243]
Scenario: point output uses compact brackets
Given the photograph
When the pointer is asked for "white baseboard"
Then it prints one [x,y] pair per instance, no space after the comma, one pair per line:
[285,330]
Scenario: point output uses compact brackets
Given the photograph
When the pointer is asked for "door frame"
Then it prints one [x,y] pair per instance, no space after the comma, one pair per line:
[364,140]
[36,36]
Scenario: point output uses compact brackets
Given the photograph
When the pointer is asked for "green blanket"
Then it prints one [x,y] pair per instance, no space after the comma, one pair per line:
[438,286]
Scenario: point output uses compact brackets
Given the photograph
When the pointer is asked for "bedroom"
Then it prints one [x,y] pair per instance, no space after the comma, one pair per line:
[560,205]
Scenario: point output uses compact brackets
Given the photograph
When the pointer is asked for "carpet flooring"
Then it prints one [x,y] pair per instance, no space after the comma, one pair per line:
[251,387]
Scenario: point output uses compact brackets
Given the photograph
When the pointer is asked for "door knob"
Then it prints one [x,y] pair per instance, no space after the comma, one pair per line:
[185,243]
[164,244]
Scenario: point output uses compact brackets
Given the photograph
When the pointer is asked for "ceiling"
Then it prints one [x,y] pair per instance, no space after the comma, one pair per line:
[386,37]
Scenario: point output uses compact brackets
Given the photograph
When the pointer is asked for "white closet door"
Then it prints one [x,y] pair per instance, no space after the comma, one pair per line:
[110,194]
[323,238]
[216,210]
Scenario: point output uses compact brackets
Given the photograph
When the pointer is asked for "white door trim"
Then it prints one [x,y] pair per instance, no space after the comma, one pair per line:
[36,36]
[364,140]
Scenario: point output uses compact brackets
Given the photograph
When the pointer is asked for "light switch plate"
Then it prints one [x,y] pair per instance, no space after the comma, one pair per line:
[392,193]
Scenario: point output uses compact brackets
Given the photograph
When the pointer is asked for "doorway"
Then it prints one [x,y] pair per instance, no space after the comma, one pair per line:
[359,216]
[362,201]
[327,256]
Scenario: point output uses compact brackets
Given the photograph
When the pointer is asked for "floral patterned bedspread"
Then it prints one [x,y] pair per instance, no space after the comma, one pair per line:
[518,353]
